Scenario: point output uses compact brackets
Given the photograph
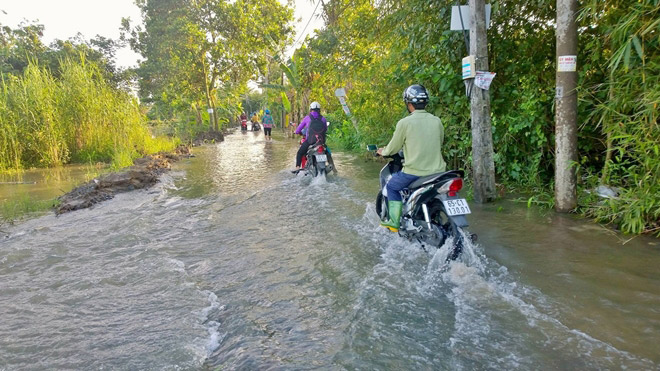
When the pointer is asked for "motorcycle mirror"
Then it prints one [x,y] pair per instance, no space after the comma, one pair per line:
[372,147]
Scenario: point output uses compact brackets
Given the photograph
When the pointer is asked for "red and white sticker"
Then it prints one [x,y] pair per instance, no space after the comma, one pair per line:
[567,63]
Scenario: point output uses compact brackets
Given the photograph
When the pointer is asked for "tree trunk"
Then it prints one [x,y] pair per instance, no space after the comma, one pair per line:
[198,116]
[483,166]
[208,104]
[207,93]
[216,126]
[566,108]
[283,108]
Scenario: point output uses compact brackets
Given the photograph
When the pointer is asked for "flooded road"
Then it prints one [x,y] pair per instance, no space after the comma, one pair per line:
[232,262]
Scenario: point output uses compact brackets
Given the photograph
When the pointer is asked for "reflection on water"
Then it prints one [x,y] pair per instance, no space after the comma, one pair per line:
[233,262]
[46,183]
[241,164]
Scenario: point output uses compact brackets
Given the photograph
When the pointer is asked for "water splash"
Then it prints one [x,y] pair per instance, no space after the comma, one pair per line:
[213,327]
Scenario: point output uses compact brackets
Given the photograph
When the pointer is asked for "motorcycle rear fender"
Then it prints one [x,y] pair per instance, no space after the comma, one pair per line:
[459,220]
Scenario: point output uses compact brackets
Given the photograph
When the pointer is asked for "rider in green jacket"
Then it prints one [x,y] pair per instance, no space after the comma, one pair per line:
[421,135]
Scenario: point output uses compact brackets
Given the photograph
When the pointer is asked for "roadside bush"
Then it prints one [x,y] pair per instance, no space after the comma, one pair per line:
[77,117]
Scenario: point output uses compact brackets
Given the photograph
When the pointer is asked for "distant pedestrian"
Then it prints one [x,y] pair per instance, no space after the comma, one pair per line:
[267,123]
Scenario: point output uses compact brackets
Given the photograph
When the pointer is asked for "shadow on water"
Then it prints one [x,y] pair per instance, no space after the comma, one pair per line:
[233,262]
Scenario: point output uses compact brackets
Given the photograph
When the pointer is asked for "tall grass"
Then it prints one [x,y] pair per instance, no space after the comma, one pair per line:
[628,114]
[77,117]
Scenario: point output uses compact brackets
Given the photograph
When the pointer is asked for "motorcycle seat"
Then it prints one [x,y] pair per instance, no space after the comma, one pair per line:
[435,178]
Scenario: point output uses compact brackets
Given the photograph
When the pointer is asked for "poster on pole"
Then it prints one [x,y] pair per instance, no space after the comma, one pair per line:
[483,79]
[567,63]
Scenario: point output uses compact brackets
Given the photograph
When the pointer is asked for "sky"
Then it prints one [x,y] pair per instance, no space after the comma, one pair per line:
[63,19]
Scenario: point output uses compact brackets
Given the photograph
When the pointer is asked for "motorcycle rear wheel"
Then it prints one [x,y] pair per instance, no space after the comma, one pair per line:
[440,218]
[311,167]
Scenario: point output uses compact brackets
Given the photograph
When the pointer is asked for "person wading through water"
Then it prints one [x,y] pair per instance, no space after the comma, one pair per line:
[267,123]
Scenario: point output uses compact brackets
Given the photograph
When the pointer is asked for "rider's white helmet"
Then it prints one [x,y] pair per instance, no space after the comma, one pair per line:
[315,106]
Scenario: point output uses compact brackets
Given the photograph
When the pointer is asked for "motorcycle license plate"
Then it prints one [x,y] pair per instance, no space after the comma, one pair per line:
[457,207]
[321,158]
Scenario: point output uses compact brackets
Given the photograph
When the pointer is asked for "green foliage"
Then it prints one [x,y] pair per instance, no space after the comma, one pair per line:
[341,133]
[48,121]
[623,100]
[17,46]
[20,46]
[201,54]
[285,102]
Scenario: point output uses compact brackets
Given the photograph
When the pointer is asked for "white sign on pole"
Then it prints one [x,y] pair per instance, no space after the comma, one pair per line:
[344,106]
[483,79]
[567,63]
[341,92]
[210,110]
[465,13]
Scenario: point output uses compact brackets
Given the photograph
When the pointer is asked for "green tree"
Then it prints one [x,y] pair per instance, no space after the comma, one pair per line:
[202,53]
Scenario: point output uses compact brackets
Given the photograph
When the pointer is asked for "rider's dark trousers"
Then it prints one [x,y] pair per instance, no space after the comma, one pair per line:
[397,182]
[302,151]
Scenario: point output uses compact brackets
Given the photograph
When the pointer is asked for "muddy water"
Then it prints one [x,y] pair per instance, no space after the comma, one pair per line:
[232,262]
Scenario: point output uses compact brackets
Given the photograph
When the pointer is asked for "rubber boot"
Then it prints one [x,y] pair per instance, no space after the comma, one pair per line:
[394,209]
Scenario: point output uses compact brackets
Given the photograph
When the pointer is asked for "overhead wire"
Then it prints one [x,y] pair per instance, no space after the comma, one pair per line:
[308,22]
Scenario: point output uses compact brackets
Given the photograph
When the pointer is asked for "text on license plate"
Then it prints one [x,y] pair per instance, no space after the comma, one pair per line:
[321,158]
[456,207]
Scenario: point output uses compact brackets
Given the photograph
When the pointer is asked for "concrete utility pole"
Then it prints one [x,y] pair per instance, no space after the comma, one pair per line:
[566,107]
[483,167]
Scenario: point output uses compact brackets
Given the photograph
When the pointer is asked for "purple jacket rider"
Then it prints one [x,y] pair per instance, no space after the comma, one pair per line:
[305,122]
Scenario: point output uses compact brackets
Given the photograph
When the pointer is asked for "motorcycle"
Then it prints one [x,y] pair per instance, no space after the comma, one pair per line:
[243,125]
[256,127]
[433,211]
[316,160]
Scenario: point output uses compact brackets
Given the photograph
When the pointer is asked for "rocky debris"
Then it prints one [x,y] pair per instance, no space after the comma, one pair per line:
[143,174]
[208,137]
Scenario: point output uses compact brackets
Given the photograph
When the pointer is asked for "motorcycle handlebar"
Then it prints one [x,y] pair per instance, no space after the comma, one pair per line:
[374,149]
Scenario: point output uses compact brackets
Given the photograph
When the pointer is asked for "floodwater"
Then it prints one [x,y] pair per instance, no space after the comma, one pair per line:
[232,262]
[44,184]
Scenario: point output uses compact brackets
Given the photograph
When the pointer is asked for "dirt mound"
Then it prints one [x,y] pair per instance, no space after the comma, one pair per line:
[144,173]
